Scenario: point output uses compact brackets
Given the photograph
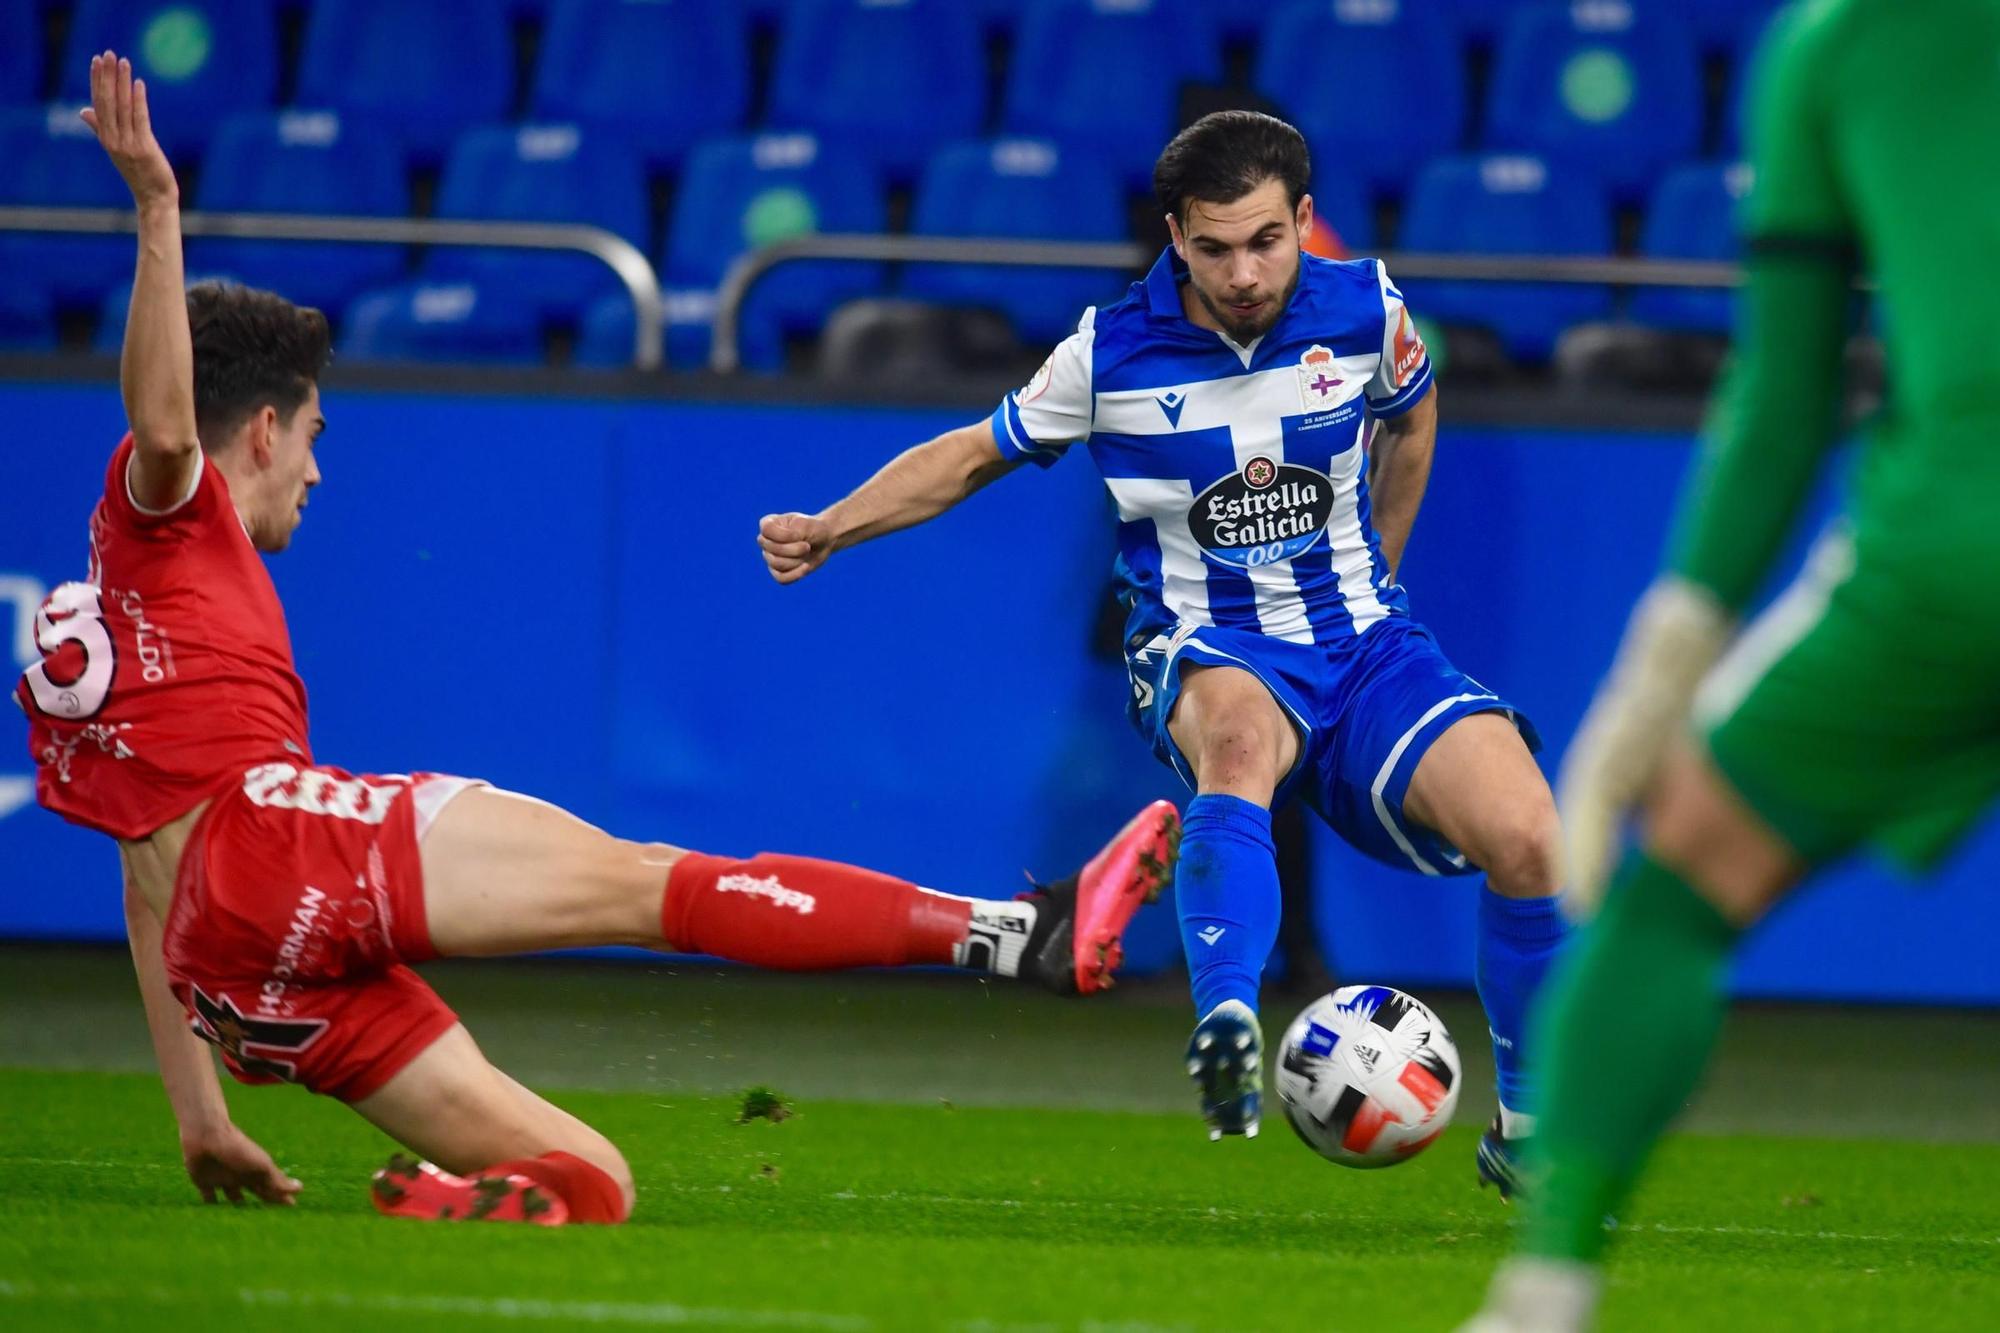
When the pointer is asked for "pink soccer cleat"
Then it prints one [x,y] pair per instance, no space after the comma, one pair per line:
[407,1187]
[1077,942]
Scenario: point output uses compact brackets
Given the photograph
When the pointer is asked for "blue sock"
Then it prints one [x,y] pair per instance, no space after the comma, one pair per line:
[1518,938]
[1227,890]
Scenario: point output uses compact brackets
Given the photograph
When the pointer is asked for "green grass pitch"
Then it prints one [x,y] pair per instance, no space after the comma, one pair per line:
[972,1157]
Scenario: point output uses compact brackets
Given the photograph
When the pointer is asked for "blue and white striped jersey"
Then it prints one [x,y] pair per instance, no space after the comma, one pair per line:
[1239,472]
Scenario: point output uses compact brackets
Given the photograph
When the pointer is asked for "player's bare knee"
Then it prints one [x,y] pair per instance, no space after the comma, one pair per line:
[1241,753]
[620,1171]
[1525,859]
[601,1153]
[622,901]
[1697,828]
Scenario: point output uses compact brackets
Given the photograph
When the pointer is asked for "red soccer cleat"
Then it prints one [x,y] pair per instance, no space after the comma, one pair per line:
[407,1187]
[1077,941]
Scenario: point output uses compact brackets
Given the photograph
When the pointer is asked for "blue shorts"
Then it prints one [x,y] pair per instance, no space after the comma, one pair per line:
[1366,710]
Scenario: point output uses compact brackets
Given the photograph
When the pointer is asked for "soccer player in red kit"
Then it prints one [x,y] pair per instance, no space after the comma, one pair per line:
[274,904]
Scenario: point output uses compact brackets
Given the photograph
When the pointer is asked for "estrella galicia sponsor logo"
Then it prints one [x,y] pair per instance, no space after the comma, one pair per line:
[1268,512]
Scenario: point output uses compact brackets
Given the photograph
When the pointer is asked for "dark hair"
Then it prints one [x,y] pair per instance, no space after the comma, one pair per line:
[251,349]
[1227,154]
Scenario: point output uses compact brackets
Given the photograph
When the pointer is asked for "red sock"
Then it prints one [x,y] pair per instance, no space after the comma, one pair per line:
[798,914]
[588,1189]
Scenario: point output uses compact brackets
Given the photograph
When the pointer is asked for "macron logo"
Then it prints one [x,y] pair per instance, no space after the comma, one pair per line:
[1211,935]
[1171,404]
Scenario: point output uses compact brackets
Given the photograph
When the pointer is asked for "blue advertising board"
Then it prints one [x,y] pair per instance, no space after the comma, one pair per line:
[564,597]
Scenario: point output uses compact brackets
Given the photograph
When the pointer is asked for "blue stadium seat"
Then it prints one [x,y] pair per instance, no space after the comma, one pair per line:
[1104,76]
[201,59]
[605,342]
[117,306]
[744,192]
[1340,202]
[1730,26]
[1737,89]
[1375,85]
[660,74]
[540,173]
[895,78]
[1498,204]
[301,162]
[992,15]
[1000,15]
[27,315]
[1608,86]
[420,70]
[1234,21]
[442,322]
[1476,20]
[53,159]
[1025,189]
[1693,216]
[20,54]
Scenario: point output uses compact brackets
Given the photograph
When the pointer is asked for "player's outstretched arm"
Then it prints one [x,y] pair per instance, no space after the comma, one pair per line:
[156,373]
[919,483]
[219,1156]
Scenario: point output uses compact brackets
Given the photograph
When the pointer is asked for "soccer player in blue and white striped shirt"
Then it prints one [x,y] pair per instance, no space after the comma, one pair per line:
[1264,421]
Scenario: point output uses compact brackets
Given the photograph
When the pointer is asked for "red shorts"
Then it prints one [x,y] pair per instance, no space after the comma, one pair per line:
[300,899]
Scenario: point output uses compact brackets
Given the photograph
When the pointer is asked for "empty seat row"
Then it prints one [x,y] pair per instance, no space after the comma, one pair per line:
[1609,85]
[742,192]
[1516,205]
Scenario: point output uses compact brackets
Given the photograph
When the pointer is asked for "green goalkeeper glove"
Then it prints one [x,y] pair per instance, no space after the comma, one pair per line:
[1676,633]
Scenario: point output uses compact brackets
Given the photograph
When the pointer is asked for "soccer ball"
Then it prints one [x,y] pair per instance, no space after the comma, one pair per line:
[1368,1076]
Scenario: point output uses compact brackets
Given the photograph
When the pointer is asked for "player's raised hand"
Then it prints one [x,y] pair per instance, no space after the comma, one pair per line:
[1675,635]
[794,545]
[123,124]
[232,1162]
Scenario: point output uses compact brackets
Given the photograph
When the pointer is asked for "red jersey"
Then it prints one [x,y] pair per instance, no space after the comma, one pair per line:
[169,672]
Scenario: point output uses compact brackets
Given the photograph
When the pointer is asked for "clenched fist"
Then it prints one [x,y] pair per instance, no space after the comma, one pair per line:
[794,545]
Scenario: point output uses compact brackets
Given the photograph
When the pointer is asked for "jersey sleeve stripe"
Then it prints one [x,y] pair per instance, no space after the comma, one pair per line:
[1004,436]
[194,484]
[1406,397]
[1011,436]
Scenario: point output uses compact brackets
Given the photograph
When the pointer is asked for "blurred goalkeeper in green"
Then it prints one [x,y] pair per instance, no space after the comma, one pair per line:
[1863,707]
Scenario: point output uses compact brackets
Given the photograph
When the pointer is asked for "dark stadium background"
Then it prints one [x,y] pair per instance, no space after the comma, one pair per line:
[534,563]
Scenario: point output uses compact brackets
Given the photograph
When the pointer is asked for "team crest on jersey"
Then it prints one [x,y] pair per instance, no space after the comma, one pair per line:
[1039,385]
[1267,512]
[1317,382]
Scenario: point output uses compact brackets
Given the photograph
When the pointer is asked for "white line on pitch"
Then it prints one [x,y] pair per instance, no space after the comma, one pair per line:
[643,1313]
[1111,1205]
[1247,1214]
[655,1313]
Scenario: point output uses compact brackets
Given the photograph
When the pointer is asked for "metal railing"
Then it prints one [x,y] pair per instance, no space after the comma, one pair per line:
[725,354]
[623,258]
